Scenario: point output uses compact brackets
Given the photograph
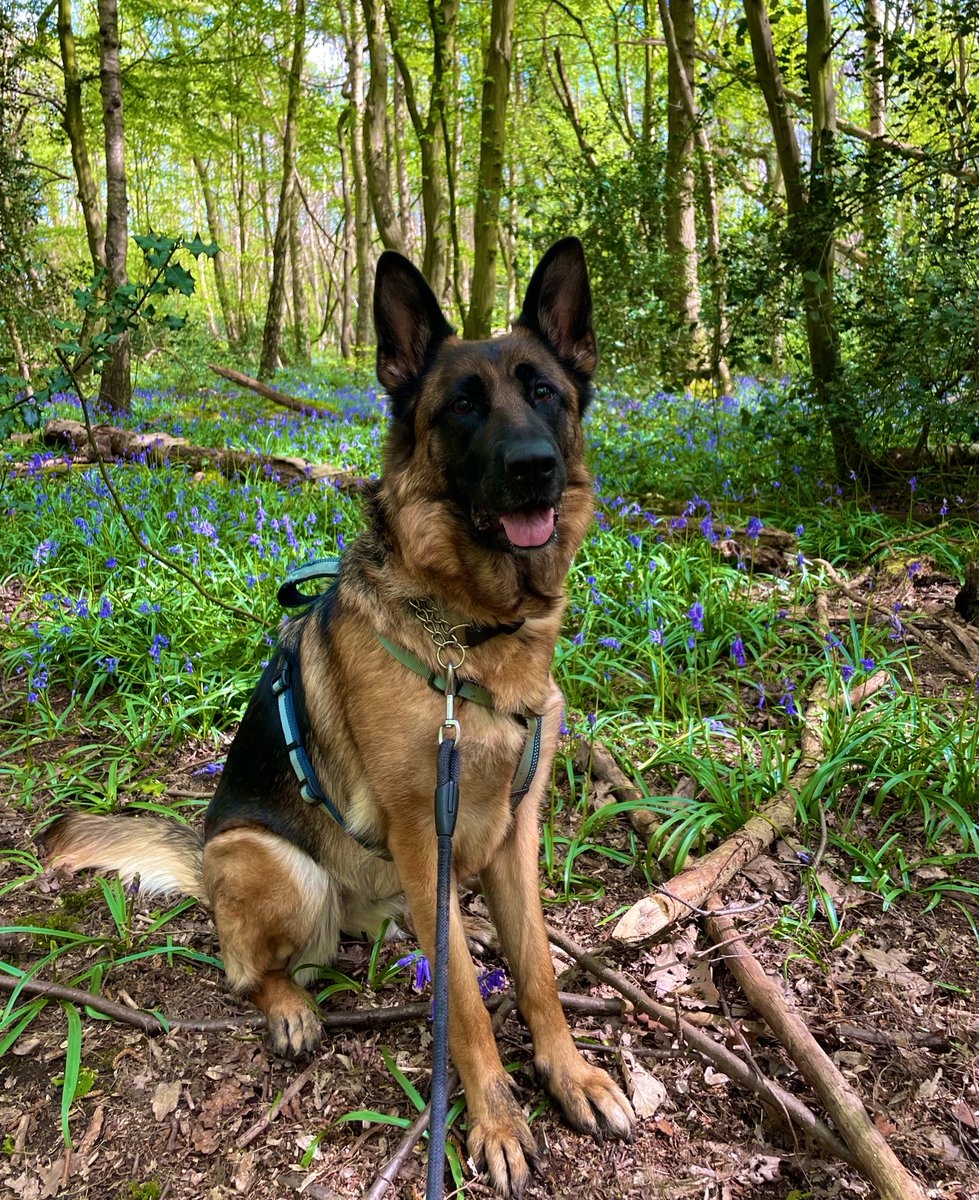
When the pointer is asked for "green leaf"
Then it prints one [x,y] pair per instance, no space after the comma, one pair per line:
[73,1062]
[179,279]
[198,247]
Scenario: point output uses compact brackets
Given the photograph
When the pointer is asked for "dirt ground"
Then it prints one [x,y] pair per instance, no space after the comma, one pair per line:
[893,1001]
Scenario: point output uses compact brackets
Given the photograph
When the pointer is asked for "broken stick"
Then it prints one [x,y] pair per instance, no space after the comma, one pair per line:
[871,1153]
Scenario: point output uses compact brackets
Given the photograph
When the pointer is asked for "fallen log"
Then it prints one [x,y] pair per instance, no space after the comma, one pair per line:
[109,442]
[691,888]
[871,1153]
[306,407]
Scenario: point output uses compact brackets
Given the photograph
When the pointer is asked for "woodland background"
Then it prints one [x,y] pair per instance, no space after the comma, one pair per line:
[776,191]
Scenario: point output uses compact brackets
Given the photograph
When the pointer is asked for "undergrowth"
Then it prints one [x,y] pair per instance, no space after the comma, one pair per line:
[688,665]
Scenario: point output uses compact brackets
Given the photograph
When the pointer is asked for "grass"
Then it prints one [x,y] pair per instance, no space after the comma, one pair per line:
[686,665]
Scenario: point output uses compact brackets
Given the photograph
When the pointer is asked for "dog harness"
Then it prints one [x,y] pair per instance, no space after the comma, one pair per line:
[290,596]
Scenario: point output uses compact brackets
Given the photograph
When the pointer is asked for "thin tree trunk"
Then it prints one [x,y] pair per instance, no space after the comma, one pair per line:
[873,68]
[349,240]
[353,33]
[115,392]
[214,229]
[719,367]
[300,304]
[376,157]
[687,343]
[811,223]
[272,335]
[489,189]
[74,123]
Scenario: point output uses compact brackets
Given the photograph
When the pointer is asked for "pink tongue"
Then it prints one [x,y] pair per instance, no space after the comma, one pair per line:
[529,529]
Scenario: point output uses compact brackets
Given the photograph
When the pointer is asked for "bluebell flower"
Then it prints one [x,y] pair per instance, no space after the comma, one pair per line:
[610,643]
[868,664]
[737,651]
[656,636]
[755,527]
[160,642]
[105,608]
[492,981]
[696,615]
[847,672]
[110,563]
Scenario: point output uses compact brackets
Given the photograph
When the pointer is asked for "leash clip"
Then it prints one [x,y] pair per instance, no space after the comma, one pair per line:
[450,726]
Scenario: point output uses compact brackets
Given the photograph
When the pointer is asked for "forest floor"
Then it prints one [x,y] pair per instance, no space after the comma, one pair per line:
[893,999]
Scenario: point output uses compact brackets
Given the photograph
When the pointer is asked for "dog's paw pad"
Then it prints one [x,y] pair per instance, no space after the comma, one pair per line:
[592,1102]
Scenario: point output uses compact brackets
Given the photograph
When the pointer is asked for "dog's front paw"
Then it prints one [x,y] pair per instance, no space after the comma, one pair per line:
[501,1144]
[590,1100]
[294,1028]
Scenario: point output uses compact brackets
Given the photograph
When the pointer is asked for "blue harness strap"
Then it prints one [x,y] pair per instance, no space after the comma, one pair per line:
[290,596]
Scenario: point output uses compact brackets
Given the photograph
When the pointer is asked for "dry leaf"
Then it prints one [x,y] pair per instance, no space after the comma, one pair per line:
[166,1098]
[891,967]
[647,1092]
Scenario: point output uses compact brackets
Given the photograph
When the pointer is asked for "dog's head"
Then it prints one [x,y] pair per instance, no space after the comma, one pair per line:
[490,431]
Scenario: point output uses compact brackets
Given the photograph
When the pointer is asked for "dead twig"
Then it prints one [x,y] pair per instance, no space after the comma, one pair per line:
[413,1134]
[265,1121]
[270,393]
[870,1152]
[910,629]
[776,1100]
[358,1018]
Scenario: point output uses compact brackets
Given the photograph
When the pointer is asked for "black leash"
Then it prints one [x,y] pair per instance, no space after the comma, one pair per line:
[446,811]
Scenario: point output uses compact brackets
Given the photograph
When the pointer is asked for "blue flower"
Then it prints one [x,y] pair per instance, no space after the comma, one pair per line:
[160,642]
[754,528]
[868,664]
[656,636]
[105,608]
[696,615]
[492,981]
[737,651]
[610,643]
[847,672]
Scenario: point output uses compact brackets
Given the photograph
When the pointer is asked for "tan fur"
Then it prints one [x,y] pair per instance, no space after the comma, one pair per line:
[372,740]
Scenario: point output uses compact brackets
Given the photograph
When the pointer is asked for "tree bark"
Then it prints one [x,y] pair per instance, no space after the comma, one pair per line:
[214,229]
[353,35]
[497,58]
[115,392]
[272,335]
[300,305]
[687,352]
[811,220]
[376,157]
[74,123]
[718,359]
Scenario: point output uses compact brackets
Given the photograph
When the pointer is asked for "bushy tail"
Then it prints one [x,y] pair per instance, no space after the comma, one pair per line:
[167,856]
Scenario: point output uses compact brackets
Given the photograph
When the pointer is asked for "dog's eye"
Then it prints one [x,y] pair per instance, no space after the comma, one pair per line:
[461,406]
[542,391]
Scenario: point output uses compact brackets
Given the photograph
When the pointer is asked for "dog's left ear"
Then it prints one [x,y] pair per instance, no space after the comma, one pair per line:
[409,323]
[558,306]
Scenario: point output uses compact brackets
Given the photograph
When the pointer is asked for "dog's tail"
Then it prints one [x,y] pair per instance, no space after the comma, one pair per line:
[166,855]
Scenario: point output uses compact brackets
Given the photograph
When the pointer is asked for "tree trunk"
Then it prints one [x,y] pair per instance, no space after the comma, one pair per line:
[214,229]
[683,296]
[489,189]
[349,239]
[874,68]
[376,157]
[718,359]
[115,392]
[272,335]
[300,304]
[811,221]
[74,123]
[353,35]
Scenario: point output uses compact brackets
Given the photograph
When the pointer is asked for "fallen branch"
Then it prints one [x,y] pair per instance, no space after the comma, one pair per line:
[597,761]
[910,628]
[691,888]
[273,394]
[111,442]
[266,1119]
[357,1018]
[777,1101]
[871,1153]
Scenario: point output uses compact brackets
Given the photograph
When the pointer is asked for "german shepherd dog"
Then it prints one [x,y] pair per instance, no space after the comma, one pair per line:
[483,501]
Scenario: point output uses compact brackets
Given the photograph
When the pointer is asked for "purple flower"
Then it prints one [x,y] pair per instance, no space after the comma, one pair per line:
[707,529]
[492,981]
[737,651]
[913,569]
[214,768]
[696,615]
[610,643]
[423,974]
[110,563]
[160,642]
[847,672]
[754,528]
[868,664]
[913,483]
[105,608]
[656,636]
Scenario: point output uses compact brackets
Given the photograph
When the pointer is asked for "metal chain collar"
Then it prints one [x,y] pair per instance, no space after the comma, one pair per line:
[444,635]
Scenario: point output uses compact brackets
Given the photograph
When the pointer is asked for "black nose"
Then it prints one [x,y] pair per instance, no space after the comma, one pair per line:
[532,460]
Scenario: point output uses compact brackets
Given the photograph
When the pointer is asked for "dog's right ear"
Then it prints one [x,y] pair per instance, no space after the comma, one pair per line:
[410,324]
